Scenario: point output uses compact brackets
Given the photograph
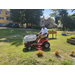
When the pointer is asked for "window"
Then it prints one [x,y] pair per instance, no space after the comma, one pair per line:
[2,18]
[7,13]
[7,18]
[42,21]
[0,12]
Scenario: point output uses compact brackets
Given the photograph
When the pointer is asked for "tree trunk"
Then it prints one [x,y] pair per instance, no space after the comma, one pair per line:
[63,26]
[31,25]
[26,25]
[63,22]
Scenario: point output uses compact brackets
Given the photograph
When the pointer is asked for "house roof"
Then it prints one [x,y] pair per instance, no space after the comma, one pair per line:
[46,18]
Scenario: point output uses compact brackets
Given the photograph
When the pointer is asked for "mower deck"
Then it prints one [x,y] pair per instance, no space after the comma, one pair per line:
[38,46]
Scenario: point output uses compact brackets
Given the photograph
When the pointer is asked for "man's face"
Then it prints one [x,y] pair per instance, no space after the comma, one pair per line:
[43,27]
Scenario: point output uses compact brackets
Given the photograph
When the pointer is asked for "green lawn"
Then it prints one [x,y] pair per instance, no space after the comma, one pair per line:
[13,52]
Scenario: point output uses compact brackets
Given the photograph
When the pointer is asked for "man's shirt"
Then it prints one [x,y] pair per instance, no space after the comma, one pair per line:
[45,30]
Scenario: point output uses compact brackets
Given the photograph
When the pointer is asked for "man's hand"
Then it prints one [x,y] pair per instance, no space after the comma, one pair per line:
[40,33]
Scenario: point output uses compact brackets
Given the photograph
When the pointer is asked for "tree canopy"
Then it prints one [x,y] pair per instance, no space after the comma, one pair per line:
[26,15]
[68,21]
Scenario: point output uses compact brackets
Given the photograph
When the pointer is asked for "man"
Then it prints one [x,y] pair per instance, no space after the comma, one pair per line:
[44,32]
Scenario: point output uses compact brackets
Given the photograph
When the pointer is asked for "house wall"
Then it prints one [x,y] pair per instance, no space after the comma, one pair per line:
[48,22]
[42,21]
[3,14]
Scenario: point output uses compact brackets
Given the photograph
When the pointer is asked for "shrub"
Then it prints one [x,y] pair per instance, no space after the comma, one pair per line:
[57,52]
[71,36]
[22,26]
[72,53]
[39,53]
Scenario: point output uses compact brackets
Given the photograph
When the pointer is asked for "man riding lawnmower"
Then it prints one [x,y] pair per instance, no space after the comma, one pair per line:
[42,42]
[43,33]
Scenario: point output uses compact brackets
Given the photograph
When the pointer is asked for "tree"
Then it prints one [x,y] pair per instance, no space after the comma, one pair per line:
[18,15]
[56,19]
[33,15]
[55,14]
[26,15]
[71,22]
[73,14]
[68,21]
[73,10]
[63,13]
[15,15]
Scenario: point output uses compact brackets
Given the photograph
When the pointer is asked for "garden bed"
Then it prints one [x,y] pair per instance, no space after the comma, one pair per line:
[71,41]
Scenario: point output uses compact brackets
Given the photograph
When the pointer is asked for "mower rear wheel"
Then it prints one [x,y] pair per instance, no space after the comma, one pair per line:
[28,47]
[46,45]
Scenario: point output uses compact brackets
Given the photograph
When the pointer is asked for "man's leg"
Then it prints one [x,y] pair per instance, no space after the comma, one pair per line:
[42,36]
[39,36]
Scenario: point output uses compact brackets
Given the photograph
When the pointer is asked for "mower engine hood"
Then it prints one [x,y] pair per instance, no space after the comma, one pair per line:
[29,38]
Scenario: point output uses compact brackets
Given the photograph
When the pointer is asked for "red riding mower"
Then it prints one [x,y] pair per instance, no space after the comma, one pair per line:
[31,41]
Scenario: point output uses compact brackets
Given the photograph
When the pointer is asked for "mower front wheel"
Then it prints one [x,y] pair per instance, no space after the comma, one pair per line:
[28,47]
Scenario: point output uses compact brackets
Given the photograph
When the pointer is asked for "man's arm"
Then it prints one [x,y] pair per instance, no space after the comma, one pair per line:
[40,33]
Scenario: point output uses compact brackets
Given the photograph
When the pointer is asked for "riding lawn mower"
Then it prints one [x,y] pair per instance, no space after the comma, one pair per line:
[33,41]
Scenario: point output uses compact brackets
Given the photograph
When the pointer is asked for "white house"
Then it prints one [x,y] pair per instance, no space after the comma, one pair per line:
[48,22]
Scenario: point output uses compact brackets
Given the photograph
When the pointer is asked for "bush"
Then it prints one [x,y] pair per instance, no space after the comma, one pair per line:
[71,36]
[39,53]
[72,53]
[57,52]
[22,26]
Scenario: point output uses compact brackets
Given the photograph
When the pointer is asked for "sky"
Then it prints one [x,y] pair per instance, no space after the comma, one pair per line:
[46,12]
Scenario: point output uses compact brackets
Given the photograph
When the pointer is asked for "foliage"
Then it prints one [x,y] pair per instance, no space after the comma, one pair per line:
[26,15]
[68,21]
[63,14]
[72,53]
[15,15]
[55,15]
[73,10]
[39,53]
[71,36]
[56,19]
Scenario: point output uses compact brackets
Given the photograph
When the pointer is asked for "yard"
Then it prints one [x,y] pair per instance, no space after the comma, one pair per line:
[13,52]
